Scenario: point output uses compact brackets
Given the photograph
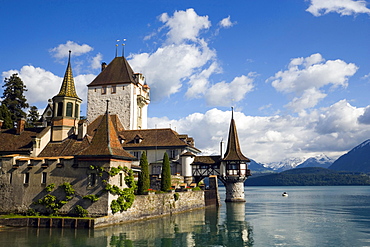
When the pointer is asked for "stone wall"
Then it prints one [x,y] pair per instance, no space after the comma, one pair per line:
[150,206]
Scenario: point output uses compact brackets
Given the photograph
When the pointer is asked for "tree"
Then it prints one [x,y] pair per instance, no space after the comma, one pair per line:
[166,173]
[6,117]
[143,181]
[33,116]
[13,97]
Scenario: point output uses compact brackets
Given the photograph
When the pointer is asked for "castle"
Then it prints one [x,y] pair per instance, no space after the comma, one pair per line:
[69,150]
[42,164]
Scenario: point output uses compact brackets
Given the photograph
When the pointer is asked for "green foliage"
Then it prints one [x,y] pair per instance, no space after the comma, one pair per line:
[115,170]
[92,198]
[176,196]
[196,189]
[13,97]
[126,196]
[120,241]
[81,211]
[166,173]
[33,116]
[144,180]
[32,212]
[5,115]
[50,187]
[68,189]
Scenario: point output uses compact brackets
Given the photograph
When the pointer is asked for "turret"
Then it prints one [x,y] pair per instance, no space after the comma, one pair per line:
[66,107]
[234,167]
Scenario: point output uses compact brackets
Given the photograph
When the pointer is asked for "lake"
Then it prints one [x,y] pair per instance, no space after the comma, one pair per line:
[309,216]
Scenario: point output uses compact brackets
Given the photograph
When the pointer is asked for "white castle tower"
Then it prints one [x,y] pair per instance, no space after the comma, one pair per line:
[127,92]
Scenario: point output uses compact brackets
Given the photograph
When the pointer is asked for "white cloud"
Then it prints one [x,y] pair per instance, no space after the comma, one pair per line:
[342,7]
[62,50]
[226,23]
[43,85]
[224,94]
[306,76]
[184,25]
[365,117]
[96,61]
[332,130]
[168,67]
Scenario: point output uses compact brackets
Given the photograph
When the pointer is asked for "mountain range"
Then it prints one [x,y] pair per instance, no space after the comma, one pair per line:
[356,160]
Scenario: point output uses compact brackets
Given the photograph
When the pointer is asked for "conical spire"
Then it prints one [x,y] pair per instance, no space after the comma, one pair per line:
[68,85]
[233,152]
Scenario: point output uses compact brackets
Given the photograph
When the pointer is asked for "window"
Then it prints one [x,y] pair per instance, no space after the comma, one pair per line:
[136,154]
[43,177]
[26,178]
[104,90]
[60,109]
[114,89]
[69,109]
[77,111]
[91,179]
[172,153]
[120,179]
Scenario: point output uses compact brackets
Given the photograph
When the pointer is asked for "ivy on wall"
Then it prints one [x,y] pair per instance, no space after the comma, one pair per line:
[126,196]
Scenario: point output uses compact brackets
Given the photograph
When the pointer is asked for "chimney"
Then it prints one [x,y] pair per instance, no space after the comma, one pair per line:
[82,129]
[103,66]
[20,126]
[1,123]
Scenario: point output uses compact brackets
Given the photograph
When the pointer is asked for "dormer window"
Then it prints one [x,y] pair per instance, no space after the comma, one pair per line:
[138,139]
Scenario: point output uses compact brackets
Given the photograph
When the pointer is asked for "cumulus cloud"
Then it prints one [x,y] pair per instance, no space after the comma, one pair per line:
[62,50]
[226,22]
[342,7]
[96,61]
[332,130]
[43,85]
[184,25]
[185,61]
[365,117]
[306,78]
[224,94]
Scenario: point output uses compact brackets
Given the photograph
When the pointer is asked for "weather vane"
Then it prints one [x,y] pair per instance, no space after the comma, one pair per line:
[123,47]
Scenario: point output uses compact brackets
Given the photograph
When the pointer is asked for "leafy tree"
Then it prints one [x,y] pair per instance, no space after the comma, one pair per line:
[13,97]
[144,181]
[33,116]
[166,173]
[6,117]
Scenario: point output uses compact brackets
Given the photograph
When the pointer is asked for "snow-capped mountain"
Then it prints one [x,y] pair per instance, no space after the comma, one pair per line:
[286,164]
[318,161]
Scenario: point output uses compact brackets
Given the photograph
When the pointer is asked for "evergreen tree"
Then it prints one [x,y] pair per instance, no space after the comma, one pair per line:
[166,173]
[6,117]
[33,116]
[13,97]
[144,181]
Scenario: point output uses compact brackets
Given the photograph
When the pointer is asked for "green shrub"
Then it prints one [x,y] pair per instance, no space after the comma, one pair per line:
[50,187]
[92,198]
[81,212]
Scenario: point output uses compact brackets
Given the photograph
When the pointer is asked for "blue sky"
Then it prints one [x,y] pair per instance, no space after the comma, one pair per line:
[297,72]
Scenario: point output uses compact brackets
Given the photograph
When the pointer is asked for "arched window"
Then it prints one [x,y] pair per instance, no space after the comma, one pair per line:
[60,109]
[69,109]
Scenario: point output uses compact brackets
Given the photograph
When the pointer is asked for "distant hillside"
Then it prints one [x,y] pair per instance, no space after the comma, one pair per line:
[258,167]
[356,160]
[317,161]
[309,177]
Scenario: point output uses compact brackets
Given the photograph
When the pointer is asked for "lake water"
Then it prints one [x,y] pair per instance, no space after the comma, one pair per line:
[309,216]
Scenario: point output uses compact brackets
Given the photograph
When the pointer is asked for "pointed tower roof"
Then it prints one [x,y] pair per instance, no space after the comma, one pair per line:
[68,85]
[233,152]
[117,72]
[105,141]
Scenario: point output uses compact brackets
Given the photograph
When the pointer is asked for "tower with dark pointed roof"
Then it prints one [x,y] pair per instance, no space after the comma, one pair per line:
[234,167]
[127,92]
[66,107]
